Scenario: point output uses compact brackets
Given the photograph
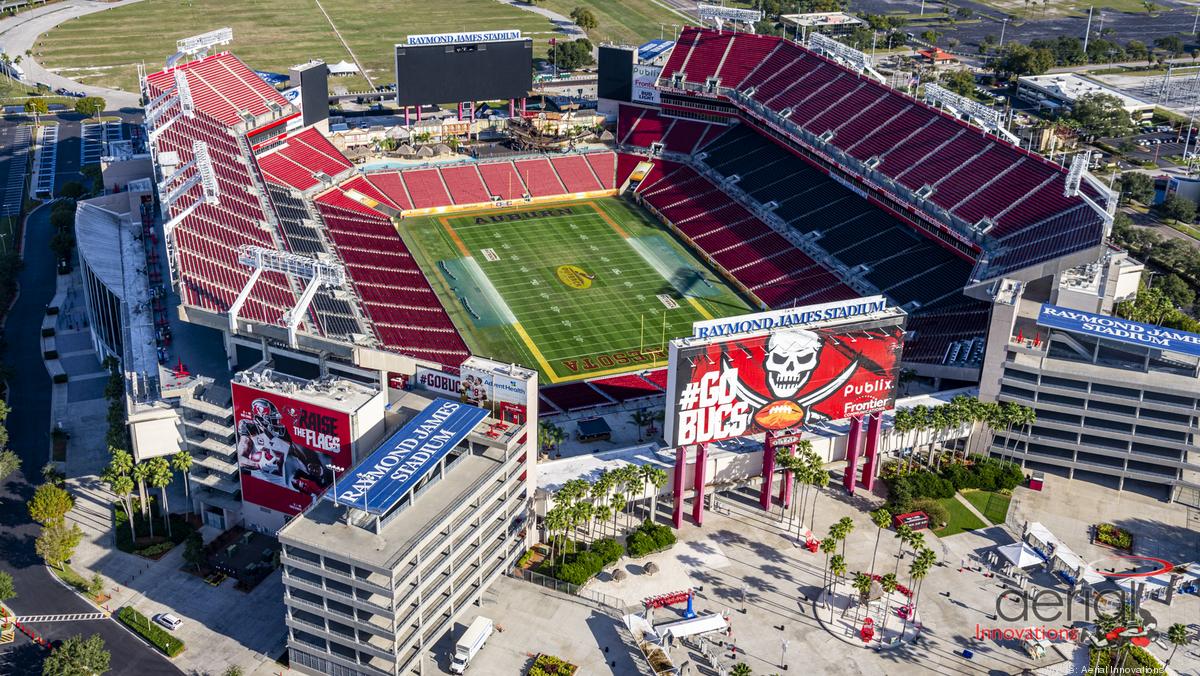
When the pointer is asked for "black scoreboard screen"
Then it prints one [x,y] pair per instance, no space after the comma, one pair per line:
[453,73]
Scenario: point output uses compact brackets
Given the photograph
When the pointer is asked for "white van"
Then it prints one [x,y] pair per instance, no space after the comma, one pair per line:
[470,643]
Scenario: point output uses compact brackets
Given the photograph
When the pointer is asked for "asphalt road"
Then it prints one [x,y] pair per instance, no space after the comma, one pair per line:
[38,591]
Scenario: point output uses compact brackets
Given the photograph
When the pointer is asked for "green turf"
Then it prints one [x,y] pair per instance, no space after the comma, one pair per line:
[630,22]
[617,323]
[104,48]
[993,506]
[961,519]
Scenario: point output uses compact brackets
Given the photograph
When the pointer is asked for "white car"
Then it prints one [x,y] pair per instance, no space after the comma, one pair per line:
[168,620]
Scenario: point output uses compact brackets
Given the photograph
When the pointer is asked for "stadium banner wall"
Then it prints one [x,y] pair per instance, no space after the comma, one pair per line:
[780,379]
[644,78]
[614,68]
[505,204]
[483,385]
[453,73]
[399,464]
[437,381]
[286,448]
[1120,330]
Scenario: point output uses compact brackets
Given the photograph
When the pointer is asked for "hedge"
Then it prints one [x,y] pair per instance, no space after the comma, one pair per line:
[649,538]
[549,665]
[1114,536]
[159,637]
[989,474]
[579,567]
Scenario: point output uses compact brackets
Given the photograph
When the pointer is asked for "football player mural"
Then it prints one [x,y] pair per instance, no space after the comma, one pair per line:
[781,380]
[286,448]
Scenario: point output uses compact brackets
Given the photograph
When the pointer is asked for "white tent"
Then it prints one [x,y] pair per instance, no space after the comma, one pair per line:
[343,68]
[1019,554]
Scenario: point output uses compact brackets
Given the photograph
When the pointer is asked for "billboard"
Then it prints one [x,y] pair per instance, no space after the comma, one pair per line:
[395,468]
[614,67]
[1118,329]
[484,385]
[644,78]
[473,71]
[782,378]
[286,448]
[463,38]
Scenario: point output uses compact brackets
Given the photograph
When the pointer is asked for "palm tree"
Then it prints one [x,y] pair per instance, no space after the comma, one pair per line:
[1177,634]
[602,513]
[658,479]
[160,476]
[122,486]
[862,585]
[1027,418]
[889,584]
[581,513]
[555,521]
[741,669]
[920,567]
[882,518]
[182,462]
[846,526]
[819,478]
[903,533]
[902,421]
[641,419]
[140,473]
[828,547]
[837,569]
[631,482]
[645,472]
[1010,413]
[618,504]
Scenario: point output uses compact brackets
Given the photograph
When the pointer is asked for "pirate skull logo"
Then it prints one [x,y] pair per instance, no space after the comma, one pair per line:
[790,360]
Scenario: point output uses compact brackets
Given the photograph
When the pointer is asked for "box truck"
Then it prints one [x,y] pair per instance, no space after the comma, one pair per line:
[470,643]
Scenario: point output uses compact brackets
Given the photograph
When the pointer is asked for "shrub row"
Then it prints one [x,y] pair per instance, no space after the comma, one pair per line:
[650,537]
[989,474]
[161,638]
[579,567]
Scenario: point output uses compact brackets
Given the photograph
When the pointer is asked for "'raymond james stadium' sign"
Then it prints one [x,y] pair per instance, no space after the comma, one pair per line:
[806,317]
[463,38]
[1116,328]
[381,480]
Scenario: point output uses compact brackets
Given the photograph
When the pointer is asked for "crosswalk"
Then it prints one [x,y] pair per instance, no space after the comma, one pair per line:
[47,162]
[14,184]
[66,617]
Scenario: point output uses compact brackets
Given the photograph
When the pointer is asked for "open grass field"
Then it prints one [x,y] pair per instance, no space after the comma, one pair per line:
[630,22]
[104,48]
[579,289]
[961,519]
[992,505]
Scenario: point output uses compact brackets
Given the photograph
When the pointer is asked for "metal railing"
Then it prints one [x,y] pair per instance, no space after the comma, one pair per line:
[609,604]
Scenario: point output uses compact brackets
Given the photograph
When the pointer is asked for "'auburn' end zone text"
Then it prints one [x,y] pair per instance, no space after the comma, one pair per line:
[523,215]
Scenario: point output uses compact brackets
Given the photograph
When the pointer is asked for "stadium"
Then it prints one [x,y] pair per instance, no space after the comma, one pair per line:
[769,175]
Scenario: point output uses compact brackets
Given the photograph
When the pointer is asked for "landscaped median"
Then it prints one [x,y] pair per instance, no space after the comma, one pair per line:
[156,635]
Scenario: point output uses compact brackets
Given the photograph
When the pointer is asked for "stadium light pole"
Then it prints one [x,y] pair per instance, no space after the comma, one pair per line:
[1003,25]
[1087,32]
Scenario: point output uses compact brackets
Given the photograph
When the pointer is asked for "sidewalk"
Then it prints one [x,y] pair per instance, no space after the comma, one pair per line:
[971,508]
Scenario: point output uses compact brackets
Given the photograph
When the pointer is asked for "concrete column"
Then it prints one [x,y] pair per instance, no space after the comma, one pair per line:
[871,464]
[680,472]
[764,497]
[698,484]
[406,119]
[512,107]
[852,443]
[460,110]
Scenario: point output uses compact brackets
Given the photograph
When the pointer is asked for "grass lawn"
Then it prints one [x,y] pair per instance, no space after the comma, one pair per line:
[104,48]
[587,289]
[1056,8]
[630,22]
[992,505]
[961,519]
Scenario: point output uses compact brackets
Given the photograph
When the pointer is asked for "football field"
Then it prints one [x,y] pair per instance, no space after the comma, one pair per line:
[576,289]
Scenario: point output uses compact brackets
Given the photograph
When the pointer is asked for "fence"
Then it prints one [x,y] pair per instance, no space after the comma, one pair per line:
[610,604]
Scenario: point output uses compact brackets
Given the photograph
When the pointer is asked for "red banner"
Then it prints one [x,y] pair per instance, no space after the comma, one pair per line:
[287,448]
[782,380]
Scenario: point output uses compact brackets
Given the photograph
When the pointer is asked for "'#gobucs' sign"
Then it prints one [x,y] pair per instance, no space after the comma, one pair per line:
[781,380]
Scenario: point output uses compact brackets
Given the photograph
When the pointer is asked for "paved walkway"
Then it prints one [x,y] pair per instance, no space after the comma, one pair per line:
[563,23]
[19,33]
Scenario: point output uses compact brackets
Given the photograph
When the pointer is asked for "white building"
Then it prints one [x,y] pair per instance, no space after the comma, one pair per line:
[1062,90]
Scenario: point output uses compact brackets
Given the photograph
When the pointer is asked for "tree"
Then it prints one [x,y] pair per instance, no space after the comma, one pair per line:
[583,17]
[159,475]
[837,570]
[72,190]
[961,81]
[904,533]
[1017,59]
[182,462]
[57,543]
[882,519]
[920,567]
[1172,44]
[741,669]
[1136,50]
[37,107]
[50,504]
[10,462]
[90,106]
[232,671]
[7,589]
[828,548]
[569,55]
[1177,290]
[78,657]
[51,474]
[931,36]
[1178,209]
[1138,187]
[116,475]
[1177,634]
[641,419]
[193,550]
[888,583]
[1102,115]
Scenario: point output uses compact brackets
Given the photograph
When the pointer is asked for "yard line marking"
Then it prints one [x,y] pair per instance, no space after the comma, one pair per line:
[537,354]
[454,236]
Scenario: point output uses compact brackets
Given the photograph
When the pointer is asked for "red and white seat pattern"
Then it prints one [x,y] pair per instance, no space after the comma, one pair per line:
[296,161]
